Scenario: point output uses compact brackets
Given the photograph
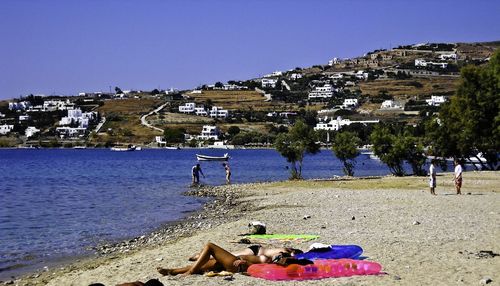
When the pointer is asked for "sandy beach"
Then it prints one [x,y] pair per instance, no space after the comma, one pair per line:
[419,239]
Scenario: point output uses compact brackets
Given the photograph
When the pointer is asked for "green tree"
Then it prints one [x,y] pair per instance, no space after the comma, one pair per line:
[233,130]
[299,140]
[219,84]
[118,90]
[389,149]
[345,148]
[470,123]
[174,135]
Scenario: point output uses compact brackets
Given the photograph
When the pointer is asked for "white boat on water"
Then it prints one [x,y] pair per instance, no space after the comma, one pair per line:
[124,148]
[200,157]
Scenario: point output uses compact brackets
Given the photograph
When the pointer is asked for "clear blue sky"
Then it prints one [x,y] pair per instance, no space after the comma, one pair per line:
[71,46]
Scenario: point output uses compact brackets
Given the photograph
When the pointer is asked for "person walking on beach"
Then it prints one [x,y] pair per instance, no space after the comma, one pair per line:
[228,172]
[432,177]
[196,170]
[458,177]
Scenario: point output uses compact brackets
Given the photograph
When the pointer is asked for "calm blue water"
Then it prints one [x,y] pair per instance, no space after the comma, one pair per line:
[57,202]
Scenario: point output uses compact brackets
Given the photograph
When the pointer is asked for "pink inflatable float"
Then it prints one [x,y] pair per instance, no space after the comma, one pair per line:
[322,268]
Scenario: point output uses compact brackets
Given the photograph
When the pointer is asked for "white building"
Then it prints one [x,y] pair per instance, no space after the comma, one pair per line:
[334,61]
[5,129]
[187,107]
[24,117]
[200,111]
[361,75]
[23,105]
[390,104]
[436,100]
[2,115]
[269,82]
[424,63]
[296,76]
[444,57]
[325,91]
[234,87]
[53,105]
[77,116]
[350,103]
[30,131]
[71,132]
[336,124]
[209,132]
[218,112]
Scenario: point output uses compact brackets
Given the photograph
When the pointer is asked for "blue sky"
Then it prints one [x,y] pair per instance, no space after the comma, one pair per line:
[70,46]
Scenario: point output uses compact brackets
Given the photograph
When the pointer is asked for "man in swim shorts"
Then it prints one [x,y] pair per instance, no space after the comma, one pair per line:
[458,177]
[432,177]
[196,170]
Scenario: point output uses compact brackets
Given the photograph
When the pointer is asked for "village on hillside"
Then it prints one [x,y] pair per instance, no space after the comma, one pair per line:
[399,85]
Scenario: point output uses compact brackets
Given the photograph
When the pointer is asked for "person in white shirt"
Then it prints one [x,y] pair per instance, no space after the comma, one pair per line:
[458,177]
[432,177]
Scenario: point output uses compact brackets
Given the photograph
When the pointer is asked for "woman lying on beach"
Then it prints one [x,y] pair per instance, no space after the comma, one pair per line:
[222,260]
[259,250]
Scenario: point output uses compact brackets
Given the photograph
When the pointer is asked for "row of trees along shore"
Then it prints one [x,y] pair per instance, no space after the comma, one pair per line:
[467,125]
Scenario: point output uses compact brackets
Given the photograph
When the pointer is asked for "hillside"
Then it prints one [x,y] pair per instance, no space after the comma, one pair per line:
[354,88]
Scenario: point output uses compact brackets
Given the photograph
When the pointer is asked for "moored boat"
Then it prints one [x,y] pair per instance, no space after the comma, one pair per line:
[200,157]
[124,148]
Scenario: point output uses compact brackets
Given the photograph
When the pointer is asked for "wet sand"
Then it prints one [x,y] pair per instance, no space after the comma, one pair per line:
[419,239]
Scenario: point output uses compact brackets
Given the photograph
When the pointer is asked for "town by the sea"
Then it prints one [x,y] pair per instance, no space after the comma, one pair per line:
[58,203]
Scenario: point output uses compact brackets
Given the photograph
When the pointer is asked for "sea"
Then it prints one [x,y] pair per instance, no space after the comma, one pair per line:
[59,203]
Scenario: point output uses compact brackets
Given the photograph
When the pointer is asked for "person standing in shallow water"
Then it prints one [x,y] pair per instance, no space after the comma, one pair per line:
[432,177]
[458,177]
[228,172]
[196,170]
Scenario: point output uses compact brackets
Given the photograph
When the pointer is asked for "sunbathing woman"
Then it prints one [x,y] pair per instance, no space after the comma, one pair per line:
[259,250]
[223,261]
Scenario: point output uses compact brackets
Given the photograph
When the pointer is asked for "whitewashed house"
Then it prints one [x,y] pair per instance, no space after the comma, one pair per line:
[24,117]
[5,129]
[296,76]
[31,131]
[334,61]
[22,105]
[234,87]
[444,57]
[336,124]
[187,107]
[53,105]
[436,100]
[268,82]
[361,75]
[209,132]
[218,112]
[71,132]
[390,104]
[424,63]
[325,91]
[350,103]
[200,111]
[2,115]
[77,116]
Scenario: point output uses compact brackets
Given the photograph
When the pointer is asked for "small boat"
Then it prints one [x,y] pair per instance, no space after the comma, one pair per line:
[80,147]
[212,158]
[172,147]
[123,148]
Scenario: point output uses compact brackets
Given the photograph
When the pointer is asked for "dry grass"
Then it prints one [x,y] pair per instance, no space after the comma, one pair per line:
[129,112]
[232,100]
[403,88]
[485,181]
[129,106]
